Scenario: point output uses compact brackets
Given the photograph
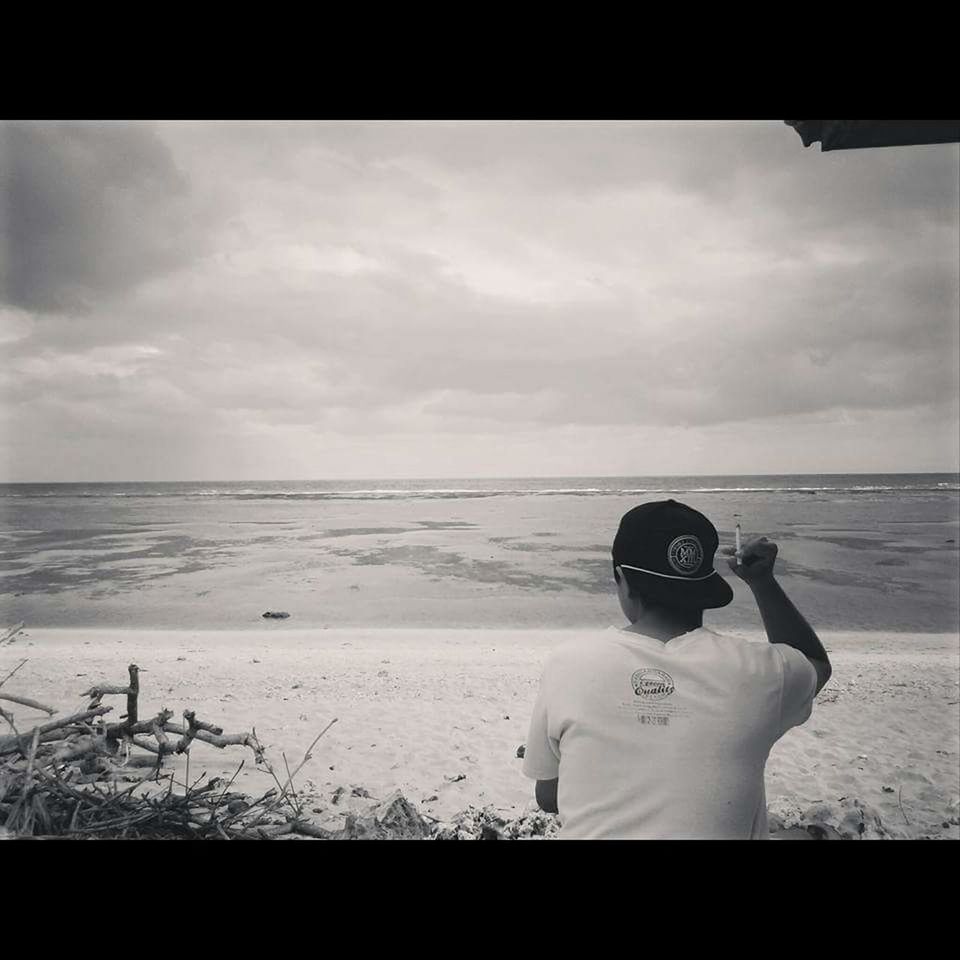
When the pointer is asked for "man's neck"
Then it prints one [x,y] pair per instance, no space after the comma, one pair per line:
[653,623]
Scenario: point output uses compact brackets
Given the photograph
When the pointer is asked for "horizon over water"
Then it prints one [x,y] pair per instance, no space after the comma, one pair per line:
[454,487]
[864,551]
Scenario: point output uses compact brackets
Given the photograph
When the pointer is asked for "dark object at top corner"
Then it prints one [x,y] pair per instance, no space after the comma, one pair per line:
[855,134]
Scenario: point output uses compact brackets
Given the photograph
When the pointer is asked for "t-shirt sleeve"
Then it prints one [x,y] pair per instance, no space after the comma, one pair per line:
[541,759]
[799,687]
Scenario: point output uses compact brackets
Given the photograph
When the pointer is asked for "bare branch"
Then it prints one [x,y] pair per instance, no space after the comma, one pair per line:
[13,671]
[105,689]
[26,702]
[9,718]
[11,744]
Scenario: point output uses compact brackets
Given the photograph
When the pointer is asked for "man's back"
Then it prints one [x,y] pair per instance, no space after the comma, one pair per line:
[657,741]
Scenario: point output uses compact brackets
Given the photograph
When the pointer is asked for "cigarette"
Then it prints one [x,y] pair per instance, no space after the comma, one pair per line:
[737,534]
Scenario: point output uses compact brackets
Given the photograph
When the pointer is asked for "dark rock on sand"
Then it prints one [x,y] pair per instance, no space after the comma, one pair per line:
[395,818]
[276,615]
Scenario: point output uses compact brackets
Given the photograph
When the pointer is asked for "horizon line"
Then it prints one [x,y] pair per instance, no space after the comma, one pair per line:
[577,476]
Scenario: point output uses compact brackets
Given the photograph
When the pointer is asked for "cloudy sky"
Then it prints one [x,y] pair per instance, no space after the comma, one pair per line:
[346,300]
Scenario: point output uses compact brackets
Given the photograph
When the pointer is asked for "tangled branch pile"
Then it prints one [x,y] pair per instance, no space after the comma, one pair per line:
[63,778]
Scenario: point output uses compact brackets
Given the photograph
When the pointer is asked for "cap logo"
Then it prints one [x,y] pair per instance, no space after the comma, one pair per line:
[685,554]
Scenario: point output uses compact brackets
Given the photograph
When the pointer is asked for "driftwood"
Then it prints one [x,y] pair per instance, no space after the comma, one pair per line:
[71,749]
[17,743]
[195,727]
[222,740]
[8,717]
[60,777]
[12,672]
[26,702]
[104,689]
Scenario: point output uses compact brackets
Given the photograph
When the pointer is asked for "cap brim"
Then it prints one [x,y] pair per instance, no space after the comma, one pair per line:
[703,594]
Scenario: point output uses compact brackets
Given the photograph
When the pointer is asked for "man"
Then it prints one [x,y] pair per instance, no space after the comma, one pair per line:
[661,730]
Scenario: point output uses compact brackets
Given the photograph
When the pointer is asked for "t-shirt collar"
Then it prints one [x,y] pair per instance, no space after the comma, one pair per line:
[642,638]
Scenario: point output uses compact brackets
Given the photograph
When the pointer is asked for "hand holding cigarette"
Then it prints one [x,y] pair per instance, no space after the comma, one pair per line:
[753,561]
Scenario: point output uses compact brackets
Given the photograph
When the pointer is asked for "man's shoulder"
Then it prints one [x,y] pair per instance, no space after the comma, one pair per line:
[575,645]
[734,649]
[780,656]
[732,641]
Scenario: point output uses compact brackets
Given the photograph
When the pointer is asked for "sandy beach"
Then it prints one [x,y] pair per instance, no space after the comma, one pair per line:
[439,714]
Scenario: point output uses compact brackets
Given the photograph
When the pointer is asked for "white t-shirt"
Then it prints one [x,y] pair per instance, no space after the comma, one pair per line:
[657,740]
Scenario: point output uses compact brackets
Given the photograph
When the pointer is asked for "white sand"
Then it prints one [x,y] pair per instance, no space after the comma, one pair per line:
[418,708]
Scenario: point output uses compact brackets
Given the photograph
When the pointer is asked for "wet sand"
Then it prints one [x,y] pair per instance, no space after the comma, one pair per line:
[506,562]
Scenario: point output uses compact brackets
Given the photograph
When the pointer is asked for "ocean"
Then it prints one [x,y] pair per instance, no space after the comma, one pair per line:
[857,551]
[456,489]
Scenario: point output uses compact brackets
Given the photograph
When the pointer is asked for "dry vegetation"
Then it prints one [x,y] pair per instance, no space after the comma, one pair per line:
[79,776]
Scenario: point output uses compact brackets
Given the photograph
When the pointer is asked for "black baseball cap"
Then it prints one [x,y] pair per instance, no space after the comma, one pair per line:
[666,551]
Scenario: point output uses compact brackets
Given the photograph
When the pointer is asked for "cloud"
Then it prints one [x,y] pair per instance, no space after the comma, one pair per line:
[189,288]
[89,211]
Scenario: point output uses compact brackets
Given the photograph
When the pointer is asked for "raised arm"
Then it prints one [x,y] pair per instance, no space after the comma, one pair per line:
[781,619]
